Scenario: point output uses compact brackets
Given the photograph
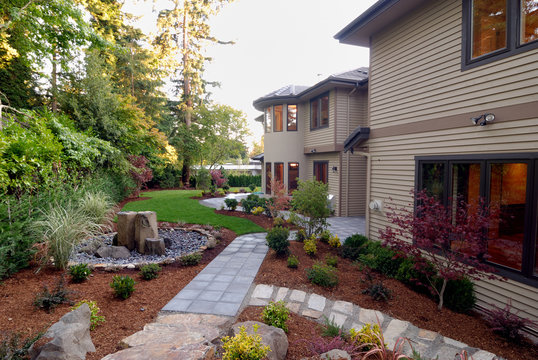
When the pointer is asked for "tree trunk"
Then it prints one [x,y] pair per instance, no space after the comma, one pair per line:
[441,295]
[186,171]
[54,82]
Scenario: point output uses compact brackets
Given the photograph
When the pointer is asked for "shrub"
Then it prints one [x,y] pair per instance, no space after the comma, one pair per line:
[96,206]
[413,277]
[244,346]
[378,291]
[12,348]
[140,172]
[356,241]
[150,271]
[310,200]
[293,262]
[380,258]
[217,178]
[203,179]
[506,323]
[276,314]
[123,286]
[277,239]
[191,259]
[320,345]
[353,247]
[48,300]
[322,275]
[279,201]
[331,329]
[251,202]
[278,221]
[231,203]
[334,242]
[244,180]
[331,261]
[300,236]
[460,295]
[225,187]
[79,272]
[325,236]
[95,318]
[368,334]
[310,246]
[252,187]
[258,210]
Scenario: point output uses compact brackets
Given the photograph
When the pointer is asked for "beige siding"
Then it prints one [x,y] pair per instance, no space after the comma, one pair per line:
[323,136]
[353,172]
[334,177]
[416,72]
[351,111]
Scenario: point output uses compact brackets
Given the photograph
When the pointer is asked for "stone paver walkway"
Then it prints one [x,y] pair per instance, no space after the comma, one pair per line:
[222,285]
[430,344]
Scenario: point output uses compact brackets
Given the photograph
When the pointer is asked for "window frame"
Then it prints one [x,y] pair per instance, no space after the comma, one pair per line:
[513,32]
[318,111]
[278,163]
[268,176]
[281,118]
[296,117]
[526,275]
[318,163]
[297,177]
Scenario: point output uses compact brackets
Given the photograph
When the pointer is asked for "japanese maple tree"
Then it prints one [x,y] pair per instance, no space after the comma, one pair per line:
[139,172]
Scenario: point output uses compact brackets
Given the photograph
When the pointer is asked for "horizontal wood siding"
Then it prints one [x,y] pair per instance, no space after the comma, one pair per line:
[358,112]
[334,178]
[324,136]
[353,185]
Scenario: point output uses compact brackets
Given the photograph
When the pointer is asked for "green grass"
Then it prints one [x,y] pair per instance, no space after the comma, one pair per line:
[236,189]
[176,205]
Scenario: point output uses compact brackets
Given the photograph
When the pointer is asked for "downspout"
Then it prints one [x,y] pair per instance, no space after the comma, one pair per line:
[368,171]
[348,155]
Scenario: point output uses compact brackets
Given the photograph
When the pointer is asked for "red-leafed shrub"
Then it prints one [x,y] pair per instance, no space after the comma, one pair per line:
[139,171]
[507,323]
[218,178]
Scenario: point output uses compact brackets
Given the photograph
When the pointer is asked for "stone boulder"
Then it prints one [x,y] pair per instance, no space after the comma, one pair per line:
[154,247]
[115,252]
[69,338]
[211,242]
[126,229]
[145,227]
[271,336]
[91,247]
[335,354]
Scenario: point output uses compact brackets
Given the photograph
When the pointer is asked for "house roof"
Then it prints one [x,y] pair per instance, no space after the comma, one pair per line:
[357,137]
[355,77]
[258,157]
[374,19]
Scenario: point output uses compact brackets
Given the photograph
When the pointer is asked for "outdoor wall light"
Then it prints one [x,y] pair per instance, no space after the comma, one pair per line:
[486,118]
[313,150]
[335,169]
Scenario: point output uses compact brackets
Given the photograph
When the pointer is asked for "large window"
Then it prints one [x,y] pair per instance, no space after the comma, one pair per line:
[293,175]
[319,112]
[321,171]
[509,184]
[268,118]
[292,118]
[268,178]
[497,29]
[278,118]
[279,172]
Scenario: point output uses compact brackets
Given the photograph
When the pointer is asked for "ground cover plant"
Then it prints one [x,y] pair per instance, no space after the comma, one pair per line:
[177,205]
[95,318]
[49,299]
[191,259]
[244,346]
[123,286]
[79,272]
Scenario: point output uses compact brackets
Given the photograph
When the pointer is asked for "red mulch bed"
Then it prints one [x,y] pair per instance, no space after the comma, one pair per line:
[262,220]
[405,303]
[123,317]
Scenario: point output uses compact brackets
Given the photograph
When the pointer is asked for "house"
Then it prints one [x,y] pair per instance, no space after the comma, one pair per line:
[305,129]
[453,108]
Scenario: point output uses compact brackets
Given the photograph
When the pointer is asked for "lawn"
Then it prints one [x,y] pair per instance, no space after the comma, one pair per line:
[177,205]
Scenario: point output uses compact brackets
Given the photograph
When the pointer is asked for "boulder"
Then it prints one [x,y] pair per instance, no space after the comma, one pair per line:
[154,247]
[115,252]
[69,338]
[211,242]
[167,242]
[271,336]
[126,229]
[335,354]
[145,227]
[91,247]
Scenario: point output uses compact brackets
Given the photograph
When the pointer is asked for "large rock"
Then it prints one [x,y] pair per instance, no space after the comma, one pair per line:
[126,229]
[70,338]
[271,336]
[115,252]
[91,247]
[145,227]
[335,354]
[154,247]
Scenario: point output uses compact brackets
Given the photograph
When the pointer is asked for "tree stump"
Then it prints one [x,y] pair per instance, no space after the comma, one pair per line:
[145,227]
[126,229]
[155,246]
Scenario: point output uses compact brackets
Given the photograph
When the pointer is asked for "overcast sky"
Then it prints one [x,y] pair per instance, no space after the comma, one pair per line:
[278,42]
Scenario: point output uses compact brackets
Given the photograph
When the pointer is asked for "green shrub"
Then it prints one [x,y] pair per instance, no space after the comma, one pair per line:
[459,295]
[368,334]
[310,200]
[191,259]
[331,329]
[322,275]
[278,221]
[95,318]
[244,346]
[356,241]
[252,187]
[203,179]
[277,239]
[353,247]
[225,187]
[300,236]
[13,348]
[293,262]
[310,246]
[244,180]
[380,258]
[252,201]
[123,286]
[331,261]
[231,203]
[276,314]
[325,236]
[378,291]
[79,272]
[334,242]
[48,300]
[150,271]
[409,275]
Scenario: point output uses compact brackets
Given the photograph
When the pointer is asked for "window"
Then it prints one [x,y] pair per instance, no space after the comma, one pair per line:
[509,184]
[278,118]
[293,175]
[319,112]
[268,118]
[292,118]
[268,178]
[493,30]
[279,172]
[321,171]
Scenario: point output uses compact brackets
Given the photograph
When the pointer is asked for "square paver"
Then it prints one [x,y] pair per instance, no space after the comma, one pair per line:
[343,307]
[221,285]
[196,285]
[297,295]
[227,309]
[230,271]
[188,294]
[210,295]
[241,288]
[281,293]
[232,297]
[243,279]
[338,319]
[224,278]
[205,277]
[177,305]
[202,306]
[316,302]
[263,291]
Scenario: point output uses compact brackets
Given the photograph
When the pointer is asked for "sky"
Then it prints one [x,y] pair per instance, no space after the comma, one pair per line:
[277,43]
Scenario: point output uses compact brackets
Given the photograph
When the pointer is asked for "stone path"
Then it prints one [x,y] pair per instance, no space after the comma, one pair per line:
[430,344]
[222,285]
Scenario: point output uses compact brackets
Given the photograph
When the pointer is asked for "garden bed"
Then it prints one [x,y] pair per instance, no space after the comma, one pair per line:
[405,303]
[123,317]
[261,220]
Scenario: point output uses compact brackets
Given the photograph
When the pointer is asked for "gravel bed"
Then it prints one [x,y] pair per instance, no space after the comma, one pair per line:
[182,242]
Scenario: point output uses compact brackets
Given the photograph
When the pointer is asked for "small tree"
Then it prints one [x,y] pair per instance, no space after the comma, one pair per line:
[280,198]
[140,173]
[218,178]
[310,206]
[453,240]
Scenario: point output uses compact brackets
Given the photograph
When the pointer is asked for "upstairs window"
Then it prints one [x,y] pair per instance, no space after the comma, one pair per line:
[278,118]
[292,118]
[268,119]
[494,30]
[319,112]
